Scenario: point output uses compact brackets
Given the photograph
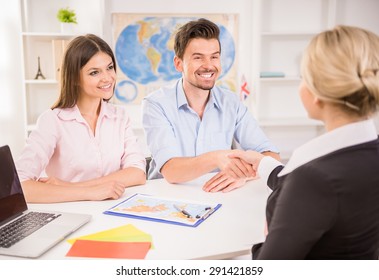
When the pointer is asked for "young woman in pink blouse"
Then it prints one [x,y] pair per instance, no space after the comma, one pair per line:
[83,148]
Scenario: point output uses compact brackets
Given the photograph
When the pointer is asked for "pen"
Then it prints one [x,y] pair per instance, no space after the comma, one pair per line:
[198,216]
[184,212]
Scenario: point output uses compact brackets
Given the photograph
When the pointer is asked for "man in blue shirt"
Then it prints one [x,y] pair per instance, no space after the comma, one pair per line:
[190,126]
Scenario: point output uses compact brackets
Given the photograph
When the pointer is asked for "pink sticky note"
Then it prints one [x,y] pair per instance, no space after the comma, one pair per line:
[105,249]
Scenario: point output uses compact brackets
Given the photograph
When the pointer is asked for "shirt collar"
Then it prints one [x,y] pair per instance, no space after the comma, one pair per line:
[68,114]
[182,99]
[342,137]
[180,95]
[107,110]
[215,97]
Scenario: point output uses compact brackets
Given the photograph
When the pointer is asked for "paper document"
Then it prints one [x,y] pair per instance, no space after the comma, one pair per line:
[168,210]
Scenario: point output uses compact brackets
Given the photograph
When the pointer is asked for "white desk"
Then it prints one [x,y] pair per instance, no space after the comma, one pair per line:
[228,233]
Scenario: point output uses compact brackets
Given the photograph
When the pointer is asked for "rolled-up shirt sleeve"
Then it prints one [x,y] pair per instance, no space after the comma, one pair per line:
[249,134]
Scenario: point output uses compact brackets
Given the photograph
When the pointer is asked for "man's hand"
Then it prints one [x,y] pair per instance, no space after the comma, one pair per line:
[251,157]
[236,168]
[224,183]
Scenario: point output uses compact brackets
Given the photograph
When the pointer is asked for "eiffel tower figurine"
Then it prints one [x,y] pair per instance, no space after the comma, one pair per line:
[39,72]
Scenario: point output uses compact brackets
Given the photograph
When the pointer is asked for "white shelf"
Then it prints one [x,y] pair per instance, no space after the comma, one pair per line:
[280,79]
[42,82]
[289,34]
[49,35]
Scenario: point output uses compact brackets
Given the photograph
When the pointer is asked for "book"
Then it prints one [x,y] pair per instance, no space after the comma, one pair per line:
[59,47]
[166,210]
[271,74]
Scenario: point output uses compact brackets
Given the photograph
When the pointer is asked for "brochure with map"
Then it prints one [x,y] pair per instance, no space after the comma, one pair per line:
[167,210]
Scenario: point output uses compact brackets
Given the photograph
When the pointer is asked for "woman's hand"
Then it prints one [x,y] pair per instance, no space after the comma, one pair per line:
[108,190]
[54,181]
[251,157]
[105,190]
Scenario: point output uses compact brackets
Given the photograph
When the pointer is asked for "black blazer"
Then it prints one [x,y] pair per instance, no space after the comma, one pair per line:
[327,208]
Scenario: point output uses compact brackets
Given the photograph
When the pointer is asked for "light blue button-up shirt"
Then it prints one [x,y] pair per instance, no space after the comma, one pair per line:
[173,129]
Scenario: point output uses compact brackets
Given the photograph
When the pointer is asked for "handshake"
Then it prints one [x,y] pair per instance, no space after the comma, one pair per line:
[236,167]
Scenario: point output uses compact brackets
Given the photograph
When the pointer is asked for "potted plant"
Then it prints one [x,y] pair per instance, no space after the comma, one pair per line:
[67,18]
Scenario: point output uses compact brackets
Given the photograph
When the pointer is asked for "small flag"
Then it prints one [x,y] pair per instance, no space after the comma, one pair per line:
[245,91]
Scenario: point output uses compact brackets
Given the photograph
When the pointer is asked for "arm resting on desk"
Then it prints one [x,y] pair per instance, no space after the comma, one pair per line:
[112,186]
[183,169]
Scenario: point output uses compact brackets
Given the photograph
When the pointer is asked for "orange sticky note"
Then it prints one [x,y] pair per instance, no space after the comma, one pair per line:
[105,249]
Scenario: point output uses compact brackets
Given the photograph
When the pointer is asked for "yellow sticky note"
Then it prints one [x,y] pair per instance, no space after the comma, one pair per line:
[126,233]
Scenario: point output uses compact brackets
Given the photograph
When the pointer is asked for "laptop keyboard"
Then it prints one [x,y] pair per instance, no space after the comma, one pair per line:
[24,226]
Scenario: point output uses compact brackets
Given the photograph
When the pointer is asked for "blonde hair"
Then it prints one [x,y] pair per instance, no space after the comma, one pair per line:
[342,66]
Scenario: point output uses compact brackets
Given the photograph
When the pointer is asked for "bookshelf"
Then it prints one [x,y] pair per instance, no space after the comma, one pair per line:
[44,47]
[281,31]
[281,34]
[42,38]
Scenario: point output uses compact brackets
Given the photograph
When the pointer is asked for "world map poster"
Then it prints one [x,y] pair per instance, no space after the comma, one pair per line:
[144,50]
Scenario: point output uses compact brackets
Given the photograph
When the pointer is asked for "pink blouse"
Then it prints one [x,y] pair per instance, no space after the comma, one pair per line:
[64,146]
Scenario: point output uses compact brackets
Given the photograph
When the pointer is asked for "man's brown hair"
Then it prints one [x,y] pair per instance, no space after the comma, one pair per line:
[201,28]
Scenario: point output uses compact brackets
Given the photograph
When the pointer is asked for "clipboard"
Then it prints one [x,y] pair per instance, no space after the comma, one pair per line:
[164,210]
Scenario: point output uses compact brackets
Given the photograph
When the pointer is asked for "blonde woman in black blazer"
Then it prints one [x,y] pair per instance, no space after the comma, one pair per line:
[325,201]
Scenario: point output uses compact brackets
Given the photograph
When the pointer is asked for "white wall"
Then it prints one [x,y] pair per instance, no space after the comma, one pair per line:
[12,128]
[88,15]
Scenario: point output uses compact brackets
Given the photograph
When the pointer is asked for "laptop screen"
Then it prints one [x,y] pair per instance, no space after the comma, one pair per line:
[12,201]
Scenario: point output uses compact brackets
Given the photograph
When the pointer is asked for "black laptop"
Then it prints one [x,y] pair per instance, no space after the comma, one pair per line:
[26,233]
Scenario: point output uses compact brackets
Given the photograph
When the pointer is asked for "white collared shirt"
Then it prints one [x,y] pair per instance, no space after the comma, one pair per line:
[342,137]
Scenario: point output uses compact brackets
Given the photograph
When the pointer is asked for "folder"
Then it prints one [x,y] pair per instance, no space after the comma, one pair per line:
[165,210]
